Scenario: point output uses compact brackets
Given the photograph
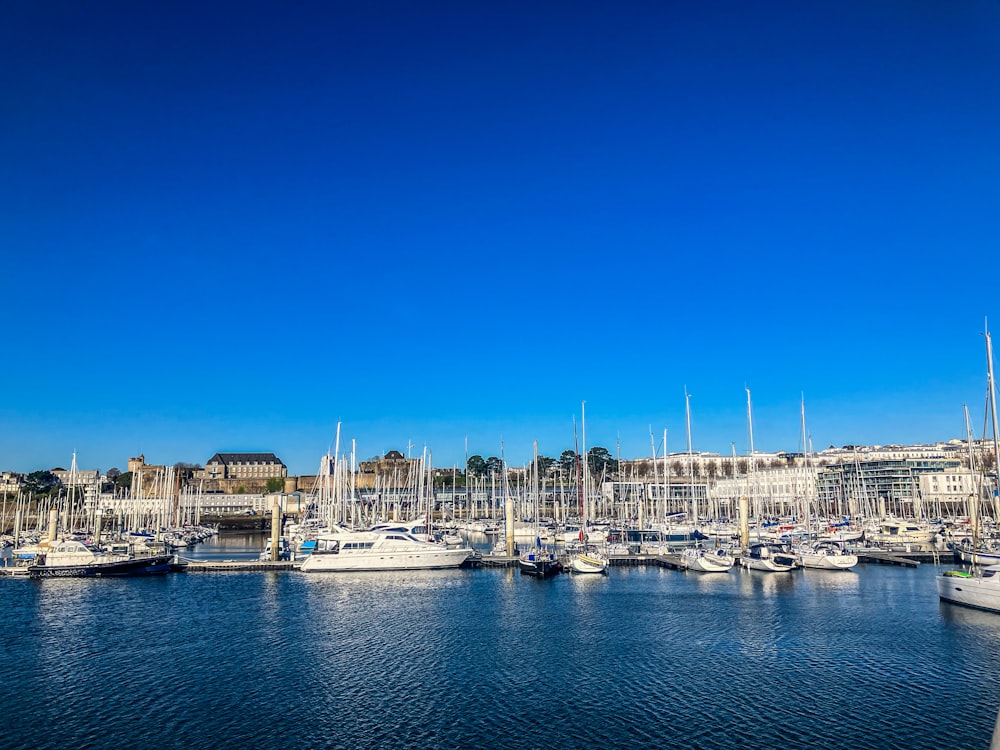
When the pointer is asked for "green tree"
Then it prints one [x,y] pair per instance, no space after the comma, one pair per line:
[42,483]
[275,484]
[713,469]
[567,463]
[545,464]
[476,466]
[124,481]
[600,462]
[494,465]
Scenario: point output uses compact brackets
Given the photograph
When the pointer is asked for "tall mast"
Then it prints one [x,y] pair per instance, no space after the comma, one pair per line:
[694,501]
[750,467]
[991,395]
[805,452]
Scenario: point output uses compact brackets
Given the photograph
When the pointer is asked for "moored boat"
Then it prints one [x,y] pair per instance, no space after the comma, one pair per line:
[540,563]
[343,550]
[826,556]
[71,558]
[769,556]
[589,561]
[707,561]
[976,590]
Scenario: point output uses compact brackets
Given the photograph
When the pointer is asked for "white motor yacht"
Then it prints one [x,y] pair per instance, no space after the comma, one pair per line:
[343,550]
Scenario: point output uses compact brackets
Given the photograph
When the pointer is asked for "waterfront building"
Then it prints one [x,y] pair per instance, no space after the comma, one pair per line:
[886,487]
[779,491]
[253,466]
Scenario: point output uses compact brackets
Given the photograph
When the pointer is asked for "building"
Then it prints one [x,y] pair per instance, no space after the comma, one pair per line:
[250,466]
[10,482]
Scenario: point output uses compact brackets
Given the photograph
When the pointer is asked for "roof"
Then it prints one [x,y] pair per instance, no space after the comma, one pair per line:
[245,458]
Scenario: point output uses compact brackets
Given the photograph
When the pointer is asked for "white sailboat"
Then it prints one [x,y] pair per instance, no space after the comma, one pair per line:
[769,556]
[589,559]
[978,588]
[707,560]
[697,558]
[822,555]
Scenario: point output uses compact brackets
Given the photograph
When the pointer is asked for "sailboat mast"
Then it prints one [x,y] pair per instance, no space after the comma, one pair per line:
[806,494]
[694,501]
[993,413]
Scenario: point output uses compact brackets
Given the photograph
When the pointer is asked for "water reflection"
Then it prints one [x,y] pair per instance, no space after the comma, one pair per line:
[758,583]
[834,582]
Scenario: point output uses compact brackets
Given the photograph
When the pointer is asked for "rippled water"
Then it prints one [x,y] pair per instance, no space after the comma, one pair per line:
[645,657]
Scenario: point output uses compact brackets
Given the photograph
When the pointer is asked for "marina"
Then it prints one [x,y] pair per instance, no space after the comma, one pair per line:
[868,657]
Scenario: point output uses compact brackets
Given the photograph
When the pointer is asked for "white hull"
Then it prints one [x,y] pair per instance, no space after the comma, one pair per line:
[980,592]
[825,561]
[589,563]
[841,536]
[705,561]
[826,556]
[769,558]
[445,558]
[377,550]
[769,566]
[900,533]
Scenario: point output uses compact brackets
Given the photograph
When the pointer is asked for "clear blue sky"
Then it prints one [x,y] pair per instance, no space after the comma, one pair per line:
[228,226]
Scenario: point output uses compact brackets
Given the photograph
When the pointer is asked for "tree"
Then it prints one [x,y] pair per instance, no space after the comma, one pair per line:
[124,481]
[108,483]
[41,482]
[567,462]
[545,464]
[275,484]
[494,465]
[713,469]
[476,466]
[600,462]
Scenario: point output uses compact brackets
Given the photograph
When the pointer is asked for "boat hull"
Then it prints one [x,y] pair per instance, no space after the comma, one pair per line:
[421,560]
[771,558]
[707,562]
[770,566]
[539,565]
[828,562]
[584,563]
[970,591]
[139,566]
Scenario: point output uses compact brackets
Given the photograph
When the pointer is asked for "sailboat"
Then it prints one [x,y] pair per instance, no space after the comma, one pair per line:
[588,559]
[537,561]
[769,556]
[978,588]
[823,555]
[698,558]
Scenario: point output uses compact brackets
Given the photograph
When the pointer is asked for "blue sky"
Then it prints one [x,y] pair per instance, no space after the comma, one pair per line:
[228,226]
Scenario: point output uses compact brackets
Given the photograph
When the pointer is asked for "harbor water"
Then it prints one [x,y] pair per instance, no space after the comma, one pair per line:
[486,658]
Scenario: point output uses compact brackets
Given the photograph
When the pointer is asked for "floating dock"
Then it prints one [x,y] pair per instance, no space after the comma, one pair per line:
[226,566]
